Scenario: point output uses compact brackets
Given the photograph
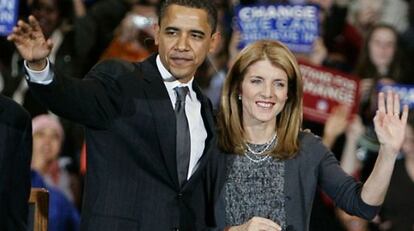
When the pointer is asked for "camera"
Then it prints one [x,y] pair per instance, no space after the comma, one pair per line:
[142,21]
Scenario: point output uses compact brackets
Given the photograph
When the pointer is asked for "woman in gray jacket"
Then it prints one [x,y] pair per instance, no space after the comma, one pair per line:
[273,168]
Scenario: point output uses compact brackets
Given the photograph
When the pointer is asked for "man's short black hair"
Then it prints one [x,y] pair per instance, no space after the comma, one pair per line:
[206,5]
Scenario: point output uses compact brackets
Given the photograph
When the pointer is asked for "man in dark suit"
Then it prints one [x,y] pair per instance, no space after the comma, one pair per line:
[147,169]
[15,156]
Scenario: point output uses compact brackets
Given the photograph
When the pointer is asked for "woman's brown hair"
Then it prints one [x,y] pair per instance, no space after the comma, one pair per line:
[289,120]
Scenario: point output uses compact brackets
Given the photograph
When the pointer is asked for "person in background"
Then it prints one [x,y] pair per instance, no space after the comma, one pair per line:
[62,215]
[397,211]
[380,63]
[364,14]
[340,41]
[48,173]
[211,75]
[48,136]
[15,156]
[273,168]
[382,54]
[57,24]
[134,37]
[67,54]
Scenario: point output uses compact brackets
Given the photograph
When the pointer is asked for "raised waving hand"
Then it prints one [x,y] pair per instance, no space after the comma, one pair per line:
[389,123]
[390,130]
[31,43]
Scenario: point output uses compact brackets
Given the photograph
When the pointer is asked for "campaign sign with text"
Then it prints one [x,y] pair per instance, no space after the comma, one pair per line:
[405,91]
[325,88]
[297,26]
[8,15]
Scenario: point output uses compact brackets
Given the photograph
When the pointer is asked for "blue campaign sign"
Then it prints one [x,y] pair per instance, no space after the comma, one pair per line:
[297,26]
[8,15]
[406,92]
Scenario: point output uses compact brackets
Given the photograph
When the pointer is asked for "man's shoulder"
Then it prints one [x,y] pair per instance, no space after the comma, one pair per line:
[115,68]
[114,65]
[12,114]
[11,108]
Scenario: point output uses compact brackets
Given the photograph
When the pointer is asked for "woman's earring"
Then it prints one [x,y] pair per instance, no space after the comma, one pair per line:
[239,97]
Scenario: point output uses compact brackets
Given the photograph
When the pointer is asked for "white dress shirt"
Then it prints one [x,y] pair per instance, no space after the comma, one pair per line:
[198,133]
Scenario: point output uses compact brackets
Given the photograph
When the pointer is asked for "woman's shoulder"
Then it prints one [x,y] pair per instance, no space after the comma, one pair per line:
[306,137]
[310,145]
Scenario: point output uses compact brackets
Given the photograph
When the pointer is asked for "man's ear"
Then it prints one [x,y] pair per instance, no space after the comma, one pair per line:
[215,41]
[156,34]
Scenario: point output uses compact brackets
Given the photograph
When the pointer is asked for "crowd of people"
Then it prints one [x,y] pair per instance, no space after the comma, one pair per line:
[102,82]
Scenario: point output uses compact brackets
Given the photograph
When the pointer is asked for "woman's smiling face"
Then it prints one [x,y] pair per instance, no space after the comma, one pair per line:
[263,93]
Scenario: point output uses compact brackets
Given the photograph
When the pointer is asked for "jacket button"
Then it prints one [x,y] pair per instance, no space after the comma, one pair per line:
[179,196]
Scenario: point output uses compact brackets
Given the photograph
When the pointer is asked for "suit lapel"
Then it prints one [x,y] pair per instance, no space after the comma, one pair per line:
[163,114]
[165,124]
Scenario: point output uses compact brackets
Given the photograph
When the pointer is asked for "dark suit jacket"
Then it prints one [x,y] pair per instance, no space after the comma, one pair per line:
[15,157]
[131,181]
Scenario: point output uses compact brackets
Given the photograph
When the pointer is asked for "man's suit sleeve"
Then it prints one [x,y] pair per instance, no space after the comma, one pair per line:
[92,101]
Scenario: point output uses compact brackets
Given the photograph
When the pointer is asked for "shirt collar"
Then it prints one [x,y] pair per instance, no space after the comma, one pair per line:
[169,80]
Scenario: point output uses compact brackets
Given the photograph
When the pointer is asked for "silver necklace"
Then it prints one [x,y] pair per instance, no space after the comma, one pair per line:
[258,157]
[258,160]
[268,144]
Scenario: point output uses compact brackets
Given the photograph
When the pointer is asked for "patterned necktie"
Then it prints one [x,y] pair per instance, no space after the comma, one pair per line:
[183,144]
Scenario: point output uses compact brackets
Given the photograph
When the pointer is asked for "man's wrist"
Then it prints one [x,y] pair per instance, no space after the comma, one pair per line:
[37,65]
[43,76]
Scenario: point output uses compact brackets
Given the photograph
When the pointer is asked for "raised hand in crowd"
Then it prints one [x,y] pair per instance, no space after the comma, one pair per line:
[335,125]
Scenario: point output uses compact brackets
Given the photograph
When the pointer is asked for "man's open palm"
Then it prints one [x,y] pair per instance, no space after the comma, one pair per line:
[30,41]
